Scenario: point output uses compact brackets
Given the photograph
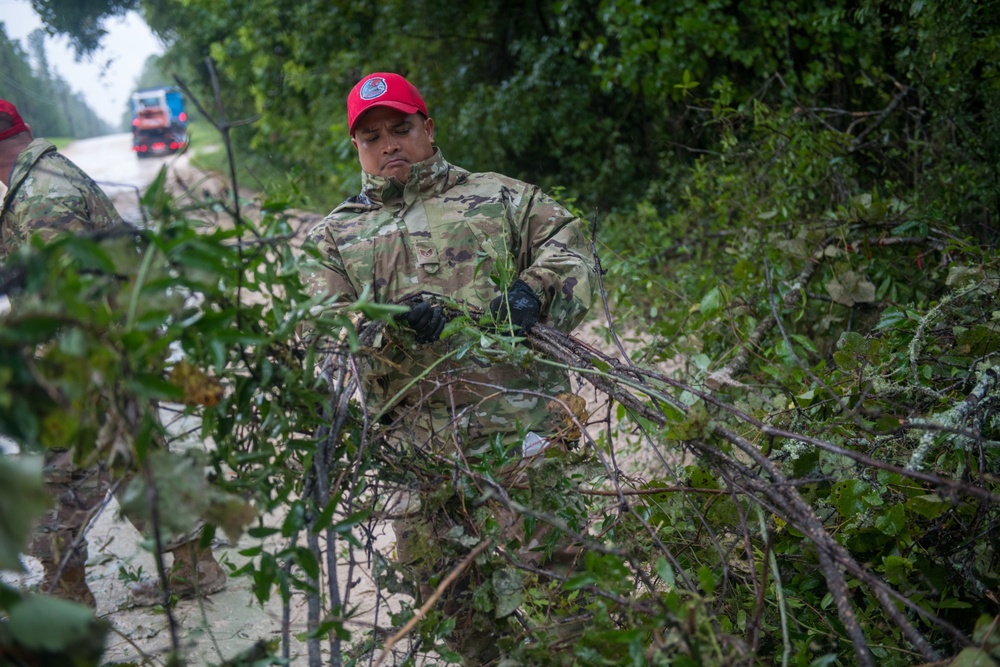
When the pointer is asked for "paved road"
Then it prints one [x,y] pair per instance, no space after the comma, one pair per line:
[110,161]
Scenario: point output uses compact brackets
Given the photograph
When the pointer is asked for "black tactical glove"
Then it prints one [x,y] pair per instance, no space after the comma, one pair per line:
[524,308]
[427,321]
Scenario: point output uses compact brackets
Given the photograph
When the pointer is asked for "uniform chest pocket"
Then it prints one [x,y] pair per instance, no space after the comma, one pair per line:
[498,244]
[376,258]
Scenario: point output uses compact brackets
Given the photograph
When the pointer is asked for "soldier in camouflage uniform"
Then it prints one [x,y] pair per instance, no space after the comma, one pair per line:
[48,195]
[423,226]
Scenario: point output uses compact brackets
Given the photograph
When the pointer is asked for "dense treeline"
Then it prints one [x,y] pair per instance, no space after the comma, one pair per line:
[798,202]
[45,100]
[606,99]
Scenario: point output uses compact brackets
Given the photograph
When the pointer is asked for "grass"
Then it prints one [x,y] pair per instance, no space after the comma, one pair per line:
[61,142]
[207,152]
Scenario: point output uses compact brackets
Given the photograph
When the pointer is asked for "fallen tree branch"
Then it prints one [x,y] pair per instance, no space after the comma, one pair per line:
[646,393]
[727,374]
[781,494]
[432,600]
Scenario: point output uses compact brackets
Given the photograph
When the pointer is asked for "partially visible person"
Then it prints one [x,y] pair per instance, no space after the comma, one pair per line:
[47,195]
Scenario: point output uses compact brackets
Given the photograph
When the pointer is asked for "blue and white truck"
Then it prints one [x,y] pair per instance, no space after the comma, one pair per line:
[159,121]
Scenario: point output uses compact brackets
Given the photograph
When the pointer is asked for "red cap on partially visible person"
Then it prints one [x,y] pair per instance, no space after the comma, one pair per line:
[383,89]
[17,127]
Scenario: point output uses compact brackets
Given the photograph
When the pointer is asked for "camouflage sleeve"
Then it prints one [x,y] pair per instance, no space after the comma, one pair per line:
[554,259]
[334,273]
[45,217]
[55,198]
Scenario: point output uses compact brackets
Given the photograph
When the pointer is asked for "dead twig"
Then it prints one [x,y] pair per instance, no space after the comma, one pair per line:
[432,600]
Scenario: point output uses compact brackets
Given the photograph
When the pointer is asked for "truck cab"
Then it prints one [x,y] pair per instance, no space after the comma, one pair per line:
[159,121]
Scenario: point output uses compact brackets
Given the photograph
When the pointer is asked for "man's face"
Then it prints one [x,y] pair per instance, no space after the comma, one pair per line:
[389,141]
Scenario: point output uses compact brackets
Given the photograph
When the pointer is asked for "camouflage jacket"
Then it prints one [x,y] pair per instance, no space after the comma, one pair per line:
[446,231]
[49,194]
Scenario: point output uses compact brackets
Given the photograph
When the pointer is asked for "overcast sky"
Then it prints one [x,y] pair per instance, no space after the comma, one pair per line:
[107,77]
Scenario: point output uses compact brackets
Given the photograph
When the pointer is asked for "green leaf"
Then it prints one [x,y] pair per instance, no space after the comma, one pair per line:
[897,569]
[380,310]
[457,534]
[601,365]
[351,521]
[711,303]
[851,347]
[261,532]
[201,255]
[22,499]
[44,623]
[508,587]
[706,579]
[72,342]
[700,477]
[88,254]
[307,561]
[973,657]
[182,486]
[891,318]
[892,522]
[987,633]
[146,385]
[979,340]
[952,603]
[578,581]
[695,426]
[32,327]
[929,506]
[666,571]
[805,462]
[805,342]
[847,496]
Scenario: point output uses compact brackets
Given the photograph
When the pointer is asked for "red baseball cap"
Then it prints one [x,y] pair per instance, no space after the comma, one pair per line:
[383,89]
[19,126]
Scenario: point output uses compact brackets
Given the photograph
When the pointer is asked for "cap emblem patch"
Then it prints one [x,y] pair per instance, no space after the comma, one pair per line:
[372,89]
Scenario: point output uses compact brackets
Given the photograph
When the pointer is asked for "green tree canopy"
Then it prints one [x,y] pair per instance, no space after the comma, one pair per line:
[605,99]
[44,99]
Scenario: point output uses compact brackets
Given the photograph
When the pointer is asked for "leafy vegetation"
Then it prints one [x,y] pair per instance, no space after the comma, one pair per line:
[43,98]
[794,208]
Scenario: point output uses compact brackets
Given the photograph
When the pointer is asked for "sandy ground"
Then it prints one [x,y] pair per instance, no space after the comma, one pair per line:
[213,629]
